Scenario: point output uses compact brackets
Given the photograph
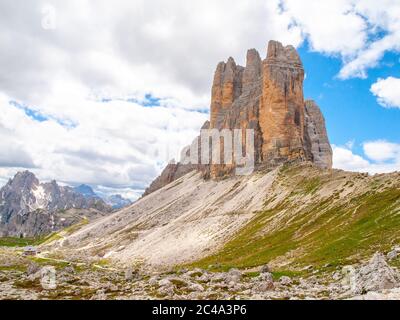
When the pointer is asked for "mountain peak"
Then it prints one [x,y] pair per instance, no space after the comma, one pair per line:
[267,97]
[23,180]
[117,201]
[24,175]
[85,190]
[30,208]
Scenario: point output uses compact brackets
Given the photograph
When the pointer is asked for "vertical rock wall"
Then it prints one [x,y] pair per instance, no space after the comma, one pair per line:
[266,96]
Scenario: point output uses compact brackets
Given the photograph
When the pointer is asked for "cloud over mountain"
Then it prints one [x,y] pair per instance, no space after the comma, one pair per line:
[107,94]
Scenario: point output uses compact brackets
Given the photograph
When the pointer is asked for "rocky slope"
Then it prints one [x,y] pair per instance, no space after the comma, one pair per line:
[29,208]
[294,232]
[291,217]
[22,278]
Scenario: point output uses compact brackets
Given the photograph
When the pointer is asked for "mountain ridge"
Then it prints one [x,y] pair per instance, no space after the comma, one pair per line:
[29,208]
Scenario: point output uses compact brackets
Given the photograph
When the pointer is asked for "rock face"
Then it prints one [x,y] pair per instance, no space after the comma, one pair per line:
[172,172]
[315,125]
[282,106]
[29,208]
[266,96]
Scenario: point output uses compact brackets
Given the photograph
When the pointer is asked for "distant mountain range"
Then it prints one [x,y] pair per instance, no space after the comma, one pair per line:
[86,191]
[116,201]
[30,208]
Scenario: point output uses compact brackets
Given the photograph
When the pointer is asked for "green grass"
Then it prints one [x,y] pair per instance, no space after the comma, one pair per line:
[15,267]
[22,242]
[102,263]
[178,283]
[312,185]
[16,242]
[291,274]
[49,238]
[330,231]
[76,226]
[49,262]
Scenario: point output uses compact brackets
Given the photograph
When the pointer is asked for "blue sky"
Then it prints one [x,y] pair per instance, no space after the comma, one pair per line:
[350,108]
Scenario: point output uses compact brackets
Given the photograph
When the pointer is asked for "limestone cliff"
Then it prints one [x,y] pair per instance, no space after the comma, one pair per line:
[266,96]
[282,106]
[315,125]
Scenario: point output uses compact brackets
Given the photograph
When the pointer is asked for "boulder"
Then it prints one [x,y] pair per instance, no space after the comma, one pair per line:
[265,269]
[153,281]
[128,274]
[392,255]
[165,283]
[284,280]
[33,268]
[69,270]
[166,290]
[376,275]
[234,275]
[264,282]
[195,287]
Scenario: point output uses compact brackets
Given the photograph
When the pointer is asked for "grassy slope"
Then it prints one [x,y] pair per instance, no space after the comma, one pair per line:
[325,218]
[22,242]
[16,242]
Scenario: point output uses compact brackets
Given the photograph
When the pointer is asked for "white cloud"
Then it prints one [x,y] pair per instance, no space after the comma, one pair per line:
[330,25]
[387,91]
[360,31]
[117,144]
[383,157]
[382,150]
[128,193]
[384,35]
[344,158]
[14,156]
[117,52]
[169,49]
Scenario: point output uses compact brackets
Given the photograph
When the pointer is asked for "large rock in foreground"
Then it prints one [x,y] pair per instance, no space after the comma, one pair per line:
[376,275]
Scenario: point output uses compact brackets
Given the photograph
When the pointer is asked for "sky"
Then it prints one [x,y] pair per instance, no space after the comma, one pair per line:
[106,94]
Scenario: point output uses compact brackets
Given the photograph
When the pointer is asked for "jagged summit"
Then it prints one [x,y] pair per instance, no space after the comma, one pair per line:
[24,179]
[267,97]
[85,190]
[29,208]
